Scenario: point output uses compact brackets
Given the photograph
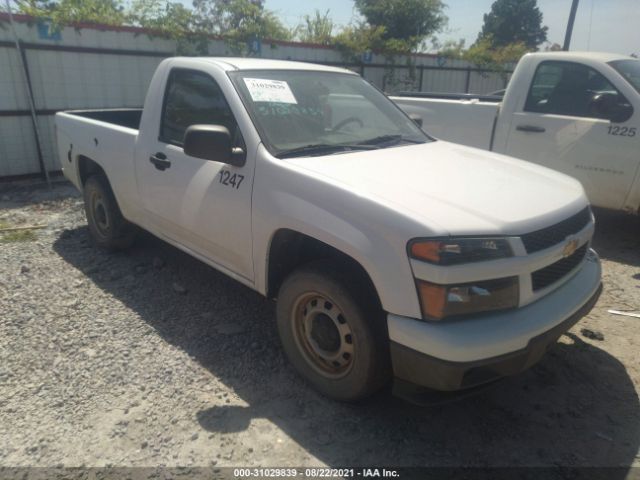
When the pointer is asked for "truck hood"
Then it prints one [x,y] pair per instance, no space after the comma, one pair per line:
[453,189]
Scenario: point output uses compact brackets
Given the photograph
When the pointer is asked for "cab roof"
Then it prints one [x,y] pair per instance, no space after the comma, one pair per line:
[238,63]
[584,56]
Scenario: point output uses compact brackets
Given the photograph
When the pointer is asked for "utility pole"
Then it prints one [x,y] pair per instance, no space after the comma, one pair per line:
[572,19]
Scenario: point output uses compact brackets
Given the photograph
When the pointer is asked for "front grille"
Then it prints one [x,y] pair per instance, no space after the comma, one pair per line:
[550,236]
[549,275]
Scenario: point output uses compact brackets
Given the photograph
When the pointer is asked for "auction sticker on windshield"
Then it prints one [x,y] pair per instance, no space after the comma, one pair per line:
[263,90]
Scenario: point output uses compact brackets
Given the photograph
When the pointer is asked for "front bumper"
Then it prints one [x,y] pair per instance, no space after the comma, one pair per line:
[457,355]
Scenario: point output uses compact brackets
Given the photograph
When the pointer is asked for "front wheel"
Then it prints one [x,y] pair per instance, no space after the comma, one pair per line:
[108,227]
[333,332]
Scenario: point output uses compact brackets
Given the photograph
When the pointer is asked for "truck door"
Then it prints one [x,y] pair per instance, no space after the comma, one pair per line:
[203,205]
[566,124]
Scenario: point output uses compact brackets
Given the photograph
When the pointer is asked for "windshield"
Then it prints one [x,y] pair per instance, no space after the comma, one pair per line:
[300,113]
[630,70]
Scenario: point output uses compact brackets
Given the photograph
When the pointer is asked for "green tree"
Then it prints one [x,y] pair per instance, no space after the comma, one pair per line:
[406,23]
[485,55]
[173,18]
[65,12]
[554,47]
[451,48]
[514,21]
[354,40]
[239,21]
[316,29]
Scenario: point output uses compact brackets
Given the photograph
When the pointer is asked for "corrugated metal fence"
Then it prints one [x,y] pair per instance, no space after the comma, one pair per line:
[103,67]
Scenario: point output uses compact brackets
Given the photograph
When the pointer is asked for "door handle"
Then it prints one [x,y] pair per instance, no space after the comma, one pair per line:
[530,129]
[160,161]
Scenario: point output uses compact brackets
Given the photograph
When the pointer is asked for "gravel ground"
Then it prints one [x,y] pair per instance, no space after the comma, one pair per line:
[149,358]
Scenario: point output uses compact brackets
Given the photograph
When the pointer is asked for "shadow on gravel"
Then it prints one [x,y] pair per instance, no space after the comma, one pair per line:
[617,236]
[578,407]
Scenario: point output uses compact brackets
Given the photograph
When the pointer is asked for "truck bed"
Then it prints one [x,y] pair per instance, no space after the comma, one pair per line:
[124,117]
[464,119]
[107,137]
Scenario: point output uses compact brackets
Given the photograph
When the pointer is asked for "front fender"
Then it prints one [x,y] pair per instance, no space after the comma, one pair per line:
[371,234]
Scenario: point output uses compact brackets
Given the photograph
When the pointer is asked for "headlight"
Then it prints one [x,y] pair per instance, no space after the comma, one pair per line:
[455,251]
[440,301]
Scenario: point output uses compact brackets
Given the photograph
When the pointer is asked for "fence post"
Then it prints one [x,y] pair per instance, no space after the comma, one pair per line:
[34,118]
[468,81]
[421,77]
[32,104]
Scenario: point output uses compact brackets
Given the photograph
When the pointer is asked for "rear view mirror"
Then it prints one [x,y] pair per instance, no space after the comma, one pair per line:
[212,142]
[611,106]
[415,118]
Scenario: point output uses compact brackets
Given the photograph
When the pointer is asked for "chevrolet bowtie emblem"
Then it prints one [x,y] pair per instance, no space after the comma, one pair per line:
[570,248]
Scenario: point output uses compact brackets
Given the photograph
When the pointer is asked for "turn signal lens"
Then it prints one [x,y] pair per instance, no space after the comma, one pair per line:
[454,251]
[433,299]
[429,251]
[440,301]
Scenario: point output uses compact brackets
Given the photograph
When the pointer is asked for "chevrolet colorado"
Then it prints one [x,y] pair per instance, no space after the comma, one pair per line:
[390,254]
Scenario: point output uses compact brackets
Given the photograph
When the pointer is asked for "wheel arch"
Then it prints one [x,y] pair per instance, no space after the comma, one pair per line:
[88,167]
[289,249]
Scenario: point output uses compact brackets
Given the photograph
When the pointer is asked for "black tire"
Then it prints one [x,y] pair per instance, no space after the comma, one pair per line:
[358,365]
[108,227]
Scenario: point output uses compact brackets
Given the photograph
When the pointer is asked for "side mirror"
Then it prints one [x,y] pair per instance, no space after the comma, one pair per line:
[611,106]
[415,118]
[212,142]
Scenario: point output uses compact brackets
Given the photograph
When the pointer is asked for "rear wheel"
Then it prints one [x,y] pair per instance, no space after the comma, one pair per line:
[108,227]
[333,332]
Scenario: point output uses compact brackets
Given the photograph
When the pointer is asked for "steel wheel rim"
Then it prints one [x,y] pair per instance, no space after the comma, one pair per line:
[99,214]
[323,335]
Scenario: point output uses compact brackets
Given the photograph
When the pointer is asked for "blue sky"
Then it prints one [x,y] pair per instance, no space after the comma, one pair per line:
[601,25]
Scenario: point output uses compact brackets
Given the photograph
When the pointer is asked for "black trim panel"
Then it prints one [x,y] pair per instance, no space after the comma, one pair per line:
[554,234]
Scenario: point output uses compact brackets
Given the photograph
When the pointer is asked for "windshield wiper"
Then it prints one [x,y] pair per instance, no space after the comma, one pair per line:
[323,148]
[388,139]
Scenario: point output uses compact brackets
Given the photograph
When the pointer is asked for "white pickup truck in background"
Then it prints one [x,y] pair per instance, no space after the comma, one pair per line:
[578,113]
[389,253]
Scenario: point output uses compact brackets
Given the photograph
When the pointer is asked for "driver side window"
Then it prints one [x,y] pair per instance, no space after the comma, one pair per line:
[193,98]
[568,88]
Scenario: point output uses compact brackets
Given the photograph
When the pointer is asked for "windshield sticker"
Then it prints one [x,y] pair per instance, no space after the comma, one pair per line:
[262,90]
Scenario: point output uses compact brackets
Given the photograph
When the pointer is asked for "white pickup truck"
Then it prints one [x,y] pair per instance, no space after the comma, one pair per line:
[578,113]
[389,253]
